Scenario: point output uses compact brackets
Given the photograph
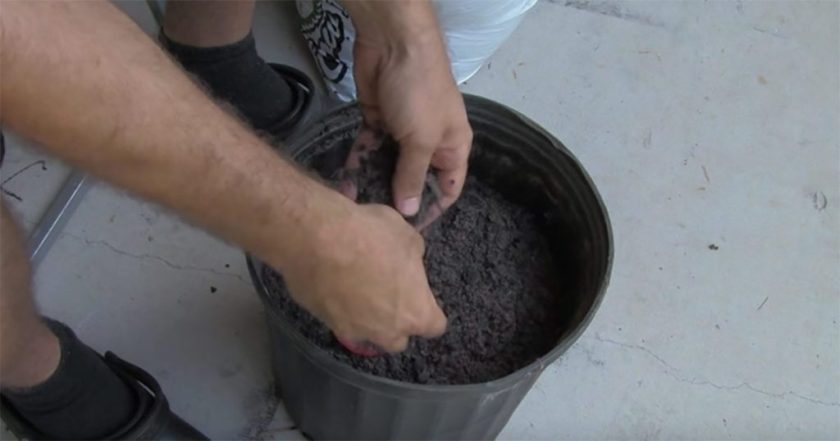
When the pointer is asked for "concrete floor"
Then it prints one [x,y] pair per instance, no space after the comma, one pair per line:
[711,130]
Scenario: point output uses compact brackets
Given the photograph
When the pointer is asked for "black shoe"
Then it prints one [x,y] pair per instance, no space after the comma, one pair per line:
[304,94]
[152,421]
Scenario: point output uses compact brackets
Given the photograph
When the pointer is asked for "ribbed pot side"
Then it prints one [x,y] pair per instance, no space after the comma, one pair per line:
[330,400]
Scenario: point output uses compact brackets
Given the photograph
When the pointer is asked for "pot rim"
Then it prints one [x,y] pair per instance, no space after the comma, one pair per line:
[365,380]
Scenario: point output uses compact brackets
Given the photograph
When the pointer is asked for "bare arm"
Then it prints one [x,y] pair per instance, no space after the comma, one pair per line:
[85,82]
[108,101]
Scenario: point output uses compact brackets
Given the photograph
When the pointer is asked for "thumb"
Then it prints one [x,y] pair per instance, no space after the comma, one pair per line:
[410,177]
[435,324]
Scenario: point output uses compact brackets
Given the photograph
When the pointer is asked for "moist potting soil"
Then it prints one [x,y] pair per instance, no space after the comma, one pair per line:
[489,265]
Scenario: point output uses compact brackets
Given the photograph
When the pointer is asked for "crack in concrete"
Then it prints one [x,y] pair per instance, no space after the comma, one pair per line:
[612,10]
[771,32]
[156,258]
[675,373]
[590,357]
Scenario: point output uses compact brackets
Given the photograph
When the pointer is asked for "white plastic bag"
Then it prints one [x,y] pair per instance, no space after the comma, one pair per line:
[472,29]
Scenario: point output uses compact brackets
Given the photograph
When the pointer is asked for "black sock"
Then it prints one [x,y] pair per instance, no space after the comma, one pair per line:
[236,74]
[82,399]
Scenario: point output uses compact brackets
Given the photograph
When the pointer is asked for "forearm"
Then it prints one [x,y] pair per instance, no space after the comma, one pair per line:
[393,23]
[81,79]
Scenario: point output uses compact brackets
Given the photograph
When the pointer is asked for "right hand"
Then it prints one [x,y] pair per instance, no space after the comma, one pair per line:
[363,276]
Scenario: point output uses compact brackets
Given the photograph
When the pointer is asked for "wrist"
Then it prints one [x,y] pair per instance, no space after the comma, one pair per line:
[393,24]
[312,225]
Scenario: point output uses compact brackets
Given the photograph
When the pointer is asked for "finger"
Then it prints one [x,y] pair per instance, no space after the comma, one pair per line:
[447,187]
[410,177]
[434,209]
[371,116]
[394,345]
[429,217]
[451,183]
[434,324]
[451,164]
[431,319]
[367,141]
[364,349]
[349,188]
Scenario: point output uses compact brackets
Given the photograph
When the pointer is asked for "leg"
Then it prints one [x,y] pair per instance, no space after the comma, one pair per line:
[208,23]
[212,40]
[54,381]
[29,352]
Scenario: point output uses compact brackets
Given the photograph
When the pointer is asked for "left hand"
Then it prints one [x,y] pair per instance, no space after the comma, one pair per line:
[405,88]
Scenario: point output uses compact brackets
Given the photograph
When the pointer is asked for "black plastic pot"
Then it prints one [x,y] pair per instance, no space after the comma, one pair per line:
[331,400]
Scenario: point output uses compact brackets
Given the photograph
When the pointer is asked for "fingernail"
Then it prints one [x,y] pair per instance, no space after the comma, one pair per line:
[409,206]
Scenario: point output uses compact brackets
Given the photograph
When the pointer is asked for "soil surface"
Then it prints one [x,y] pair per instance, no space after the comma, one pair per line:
[490,268]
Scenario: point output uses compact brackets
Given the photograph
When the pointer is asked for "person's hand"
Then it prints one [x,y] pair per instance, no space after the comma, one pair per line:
[363,276]
[405,88]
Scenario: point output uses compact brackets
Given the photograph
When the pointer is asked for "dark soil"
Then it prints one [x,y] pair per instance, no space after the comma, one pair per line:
[490,267]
